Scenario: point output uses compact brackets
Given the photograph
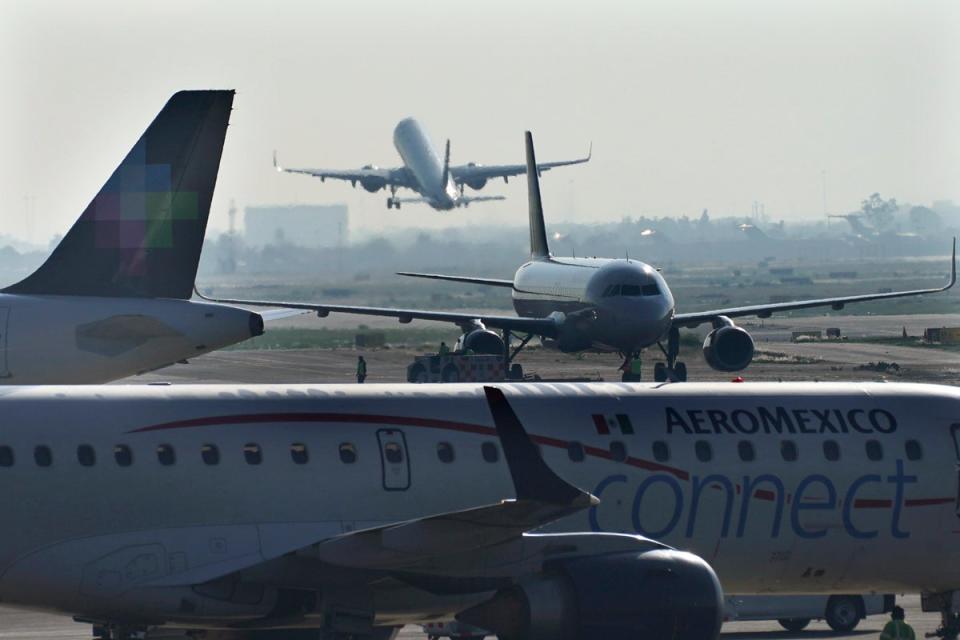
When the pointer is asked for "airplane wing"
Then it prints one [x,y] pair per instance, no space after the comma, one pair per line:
[766,310]
[466,172]
[399,177]
[493,282]
[548,327]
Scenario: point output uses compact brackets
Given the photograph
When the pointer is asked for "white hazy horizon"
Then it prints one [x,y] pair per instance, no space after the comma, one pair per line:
[689,104]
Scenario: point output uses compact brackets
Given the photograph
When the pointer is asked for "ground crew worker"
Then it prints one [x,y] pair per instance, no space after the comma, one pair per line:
[361,369]
[632,369]
[444,349]
[897,629]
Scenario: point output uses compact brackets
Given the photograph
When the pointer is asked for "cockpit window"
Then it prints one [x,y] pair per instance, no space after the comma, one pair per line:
[631,290]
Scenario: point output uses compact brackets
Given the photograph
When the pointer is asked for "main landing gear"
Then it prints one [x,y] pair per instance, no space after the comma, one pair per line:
[948,604]
[671,370]
[393,200]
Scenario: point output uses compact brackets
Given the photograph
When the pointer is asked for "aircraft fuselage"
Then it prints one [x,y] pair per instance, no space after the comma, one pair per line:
[634,306]
[421,159]
[89,340]
[119,494]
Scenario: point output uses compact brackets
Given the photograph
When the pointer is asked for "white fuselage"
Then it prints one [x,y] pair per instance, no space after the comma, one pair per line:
[86,340]
[633,305]
[421,158]
[87,535]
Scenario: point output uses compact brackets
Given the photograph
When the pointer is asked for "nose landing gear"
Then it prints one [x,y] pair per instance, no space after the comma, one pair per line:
[671,370]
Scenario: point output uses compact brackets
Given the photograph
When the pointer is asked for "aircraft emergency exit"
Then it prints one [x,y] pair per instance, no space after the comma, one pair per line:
[112,300]
[536,510]
[619,305]
[439,184]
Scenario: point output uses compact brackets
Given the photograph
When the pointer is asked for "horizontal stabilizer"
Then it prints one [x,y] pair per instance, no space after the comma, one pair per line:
[493,282]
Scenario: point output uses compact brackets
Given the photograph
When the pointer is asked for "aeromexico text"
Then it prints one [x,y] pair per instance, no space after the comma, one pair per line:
[779,420]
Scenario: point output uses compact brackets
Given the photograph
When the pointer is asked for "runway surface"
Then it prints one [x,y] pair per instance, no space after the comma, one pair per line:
[28,625]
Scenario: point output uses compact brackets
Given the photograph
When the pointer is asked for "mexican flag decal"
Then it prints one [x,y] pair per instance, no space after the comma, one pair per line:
[607,423]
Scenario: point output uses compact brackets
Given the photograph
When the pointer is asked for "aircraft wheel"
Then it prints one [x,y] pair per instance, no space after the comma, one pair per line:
[680,370]
[450,374]
[660,372]
[843,613]
[794,624]
[389,203]
[418,374]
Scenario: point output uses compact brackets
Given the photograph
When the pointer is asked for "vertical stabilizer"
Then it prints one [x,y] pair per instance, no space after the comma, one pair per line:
[538,231]
[142,234]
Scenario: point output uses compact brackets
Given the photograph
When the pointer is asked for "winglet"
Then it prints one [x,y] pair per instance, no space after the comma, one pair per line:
[276,165]
[538,232]
[589,152]
[953,266]
[532,478]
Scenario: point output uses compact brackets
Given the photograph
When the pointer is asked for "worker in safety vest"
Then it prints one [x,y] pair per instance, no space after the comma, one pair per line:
[897,629]
[361,369]
[444,350]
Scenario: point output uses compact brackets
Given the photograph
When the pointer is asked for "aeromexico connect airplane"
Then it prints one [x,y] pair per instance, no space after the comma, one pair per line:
[619,305]
[439,184]
[182,511]
[112,300]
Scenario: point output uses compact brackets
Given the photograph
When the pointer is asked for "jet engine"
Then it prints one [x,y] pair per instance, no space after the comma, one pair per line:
[475,183]
[372,183]
[655,595]
[728,348]
[481,341]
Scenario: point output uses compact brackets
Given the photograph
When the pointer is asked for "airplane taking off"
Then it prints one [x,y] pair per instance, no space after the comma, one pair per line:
[439,184]
[619,305]
[537,511]
[113,299]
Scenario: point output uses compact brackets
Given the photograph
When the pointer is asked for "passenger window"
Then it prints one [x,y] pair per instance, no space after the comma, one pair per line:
[788,451]
[298,453]
[123,455]
[490,452]
[831,450]
[874,450]
[393,453]
[165,455]
[210,454]
[43,456]
[913,450]
[348,453]
[618,451]
[252,453]
[6,456]
[746,451]
[445,452]
[704,451]
[661,451]
[86,456]
[575,452]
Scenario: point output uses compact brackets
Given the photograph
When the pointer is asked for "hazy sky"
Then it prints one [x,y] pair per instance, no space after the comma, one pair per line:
[690,105]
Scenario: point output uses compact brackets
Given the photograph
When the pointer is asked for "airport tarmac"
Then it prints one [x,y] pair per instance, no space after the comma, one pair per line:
[30,625]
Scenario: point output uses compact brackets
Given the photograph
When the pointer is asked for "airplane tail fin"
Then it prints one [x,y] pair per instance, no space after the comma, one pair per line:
[446,165]
[142,234]
[538,231]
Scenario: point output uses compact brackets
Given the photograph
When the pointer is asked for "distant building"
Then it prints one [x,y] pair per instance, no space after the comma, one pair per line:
[304,225]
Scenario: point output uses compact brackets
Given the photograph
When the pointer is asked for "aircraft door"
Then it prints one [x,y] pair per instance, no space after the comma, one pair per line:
[4,367]
[394,460]
[955,433]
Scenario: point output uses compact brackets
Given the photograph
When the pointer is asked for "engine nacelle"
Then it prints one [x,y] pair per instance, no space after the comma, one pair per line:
[728,348]
[654,595]
[481,341]
[475,183]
